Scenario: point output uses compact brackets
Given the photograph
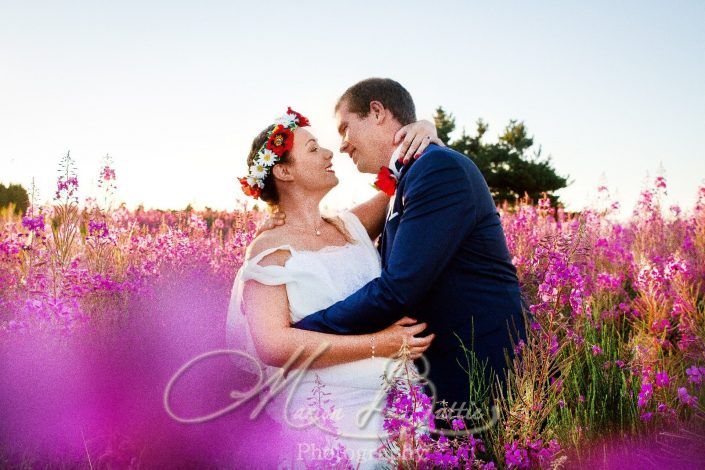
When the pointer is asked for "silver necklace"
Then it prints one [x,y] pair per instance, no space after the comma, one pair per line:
[317,230]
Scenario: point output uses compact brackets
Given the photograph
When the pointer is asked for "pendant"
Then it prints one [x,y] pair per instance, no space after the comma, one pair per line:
[318,233]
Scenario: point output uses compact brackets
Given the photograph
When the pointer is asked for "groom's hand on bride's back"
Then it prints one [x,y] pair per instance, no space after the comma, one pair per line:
[273,220]
[389,341]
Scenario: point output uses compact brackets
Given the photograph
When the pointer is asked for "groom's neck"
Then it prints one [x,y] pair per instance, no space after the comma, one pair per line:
[386,149]
[382,160]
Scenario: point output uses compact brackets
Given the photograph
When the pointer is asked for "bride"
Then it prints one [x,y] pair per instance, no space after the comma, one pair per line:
[301,267]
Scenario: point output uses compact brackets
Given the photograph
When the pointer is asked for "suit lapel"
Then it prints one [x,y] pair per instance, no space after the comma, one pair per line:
[385,245]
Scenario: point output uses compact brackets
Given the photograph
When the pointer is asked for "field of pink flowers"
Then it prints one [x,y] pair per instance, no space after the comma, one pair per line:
[99,306]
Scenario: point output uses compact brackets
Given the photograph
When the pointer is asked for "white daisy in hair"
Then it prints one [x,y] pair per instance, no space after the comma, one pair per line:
[252,181]
[267,157]
[286,120]
[258,171]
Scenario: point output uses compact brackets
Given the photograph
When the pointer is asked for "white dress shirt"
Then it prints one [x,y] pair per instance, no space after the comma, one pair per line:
[393,161]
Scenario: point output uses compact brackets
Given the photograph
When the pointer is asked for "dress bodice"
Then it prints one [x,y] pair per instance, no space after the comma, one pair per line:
[317,279]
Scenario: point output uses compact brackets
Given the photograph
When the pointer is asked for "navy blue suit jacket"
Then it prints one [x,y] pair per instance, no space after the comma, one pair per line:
[445,262]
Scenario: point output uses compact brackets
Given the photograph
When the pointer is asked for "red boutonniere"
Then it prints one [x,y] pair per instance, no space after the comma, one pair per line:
[386,181]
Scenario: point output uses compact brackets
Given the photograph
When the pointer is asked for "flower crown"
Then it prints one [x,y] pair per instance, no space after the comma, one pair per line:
[279,140]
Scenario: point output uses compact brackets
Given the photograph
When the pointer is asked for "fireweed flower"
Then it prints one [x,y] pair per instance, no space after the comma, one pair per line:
[660,326]
[685,398]
[458,424]
[696,375]
[554,345]
[532,454]
[33,224]
[662,379]
[577,339]
[107,173]
[515,456]
[408,416]
[645,394]
[97,228]
[66,187]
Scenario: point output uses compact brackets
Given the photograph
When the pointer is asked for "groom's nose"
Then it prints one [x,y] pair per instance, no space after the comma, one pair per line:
[344,146]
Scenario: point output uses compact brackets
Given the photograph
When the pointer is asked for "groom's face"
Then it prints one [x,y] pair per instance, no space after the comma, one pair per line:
[359,139]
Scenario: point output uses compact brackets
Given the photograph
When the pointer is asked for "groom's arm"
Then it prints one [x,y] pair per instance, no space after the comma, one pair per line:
[439,211]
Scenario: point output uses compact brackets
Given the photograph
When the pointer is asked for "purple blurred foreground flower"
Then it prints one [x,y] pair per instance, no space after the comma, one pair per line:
[696,375]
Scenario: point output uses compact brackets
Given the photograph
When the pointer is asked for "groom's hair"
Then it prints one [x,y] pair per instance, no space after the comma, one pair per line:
[391,94]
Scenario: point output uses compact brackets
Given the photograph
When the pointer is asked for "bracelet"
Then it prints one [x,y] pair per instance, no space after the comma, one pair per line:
[372,342]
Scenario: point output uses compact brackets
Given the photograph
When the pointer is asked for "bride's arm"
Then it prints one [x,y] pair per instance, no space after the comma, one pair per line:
[416,137]
[372,213]
[267,313]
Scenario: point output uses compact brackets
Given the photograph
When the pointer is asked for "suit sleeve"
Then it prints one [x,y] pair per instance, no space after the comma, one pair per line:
[439,212]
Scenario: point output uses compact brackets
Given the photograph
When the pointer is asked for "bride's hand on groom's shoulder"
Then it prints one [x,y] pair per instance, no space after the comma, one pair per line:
[390,340]
[273,220]
[415,137]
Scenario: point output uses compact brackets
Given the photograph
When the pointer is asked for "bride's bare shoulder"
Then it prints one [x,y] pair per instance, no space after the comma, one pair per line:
[266,241]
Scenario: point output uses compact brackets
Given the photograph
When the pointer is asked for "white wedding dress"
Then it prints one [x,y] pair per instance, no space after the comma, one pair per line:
[315,280]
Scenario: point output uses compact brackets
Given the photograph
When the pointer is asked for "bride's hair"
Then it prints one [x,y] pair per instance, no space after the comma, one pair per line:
[269,193]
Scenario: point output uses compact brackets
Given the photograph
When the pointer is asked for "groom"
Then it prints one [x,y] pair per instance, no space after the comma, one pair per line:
[444,255]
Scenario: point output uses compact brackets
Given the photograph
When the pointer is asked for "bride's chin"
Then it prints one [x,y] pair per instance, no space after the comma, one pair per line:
[332,185]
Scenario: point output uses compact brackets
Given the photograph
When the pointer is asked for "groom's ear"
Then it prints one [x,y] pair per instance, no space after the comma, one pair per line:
[378,112]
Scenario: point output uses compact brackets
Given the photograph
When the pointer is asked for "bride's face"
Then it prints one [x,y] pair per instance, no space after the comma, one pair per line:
[310,166]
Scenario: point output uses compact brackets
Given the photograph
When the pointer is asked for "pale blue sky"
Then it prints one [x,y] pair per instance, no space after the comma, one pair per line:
[175,91]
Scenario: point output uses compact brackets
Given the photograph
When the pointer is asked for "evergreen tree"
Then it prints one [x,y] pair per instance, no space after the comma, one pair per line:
[510,167]
[15,194]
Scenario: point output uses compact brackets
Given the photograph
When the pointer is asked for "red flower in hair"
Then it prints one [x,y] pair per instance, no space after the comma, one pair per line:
[386,181]
[252,191]
[281,140]
[303,122]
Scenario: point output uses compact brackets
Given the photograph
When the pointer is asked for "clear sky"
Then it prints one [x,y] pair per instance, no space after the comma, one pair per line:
[175,91]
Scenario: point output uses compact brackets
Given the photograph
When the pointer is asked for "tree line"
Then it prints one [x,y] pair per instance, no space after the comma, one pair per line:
[511,166]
